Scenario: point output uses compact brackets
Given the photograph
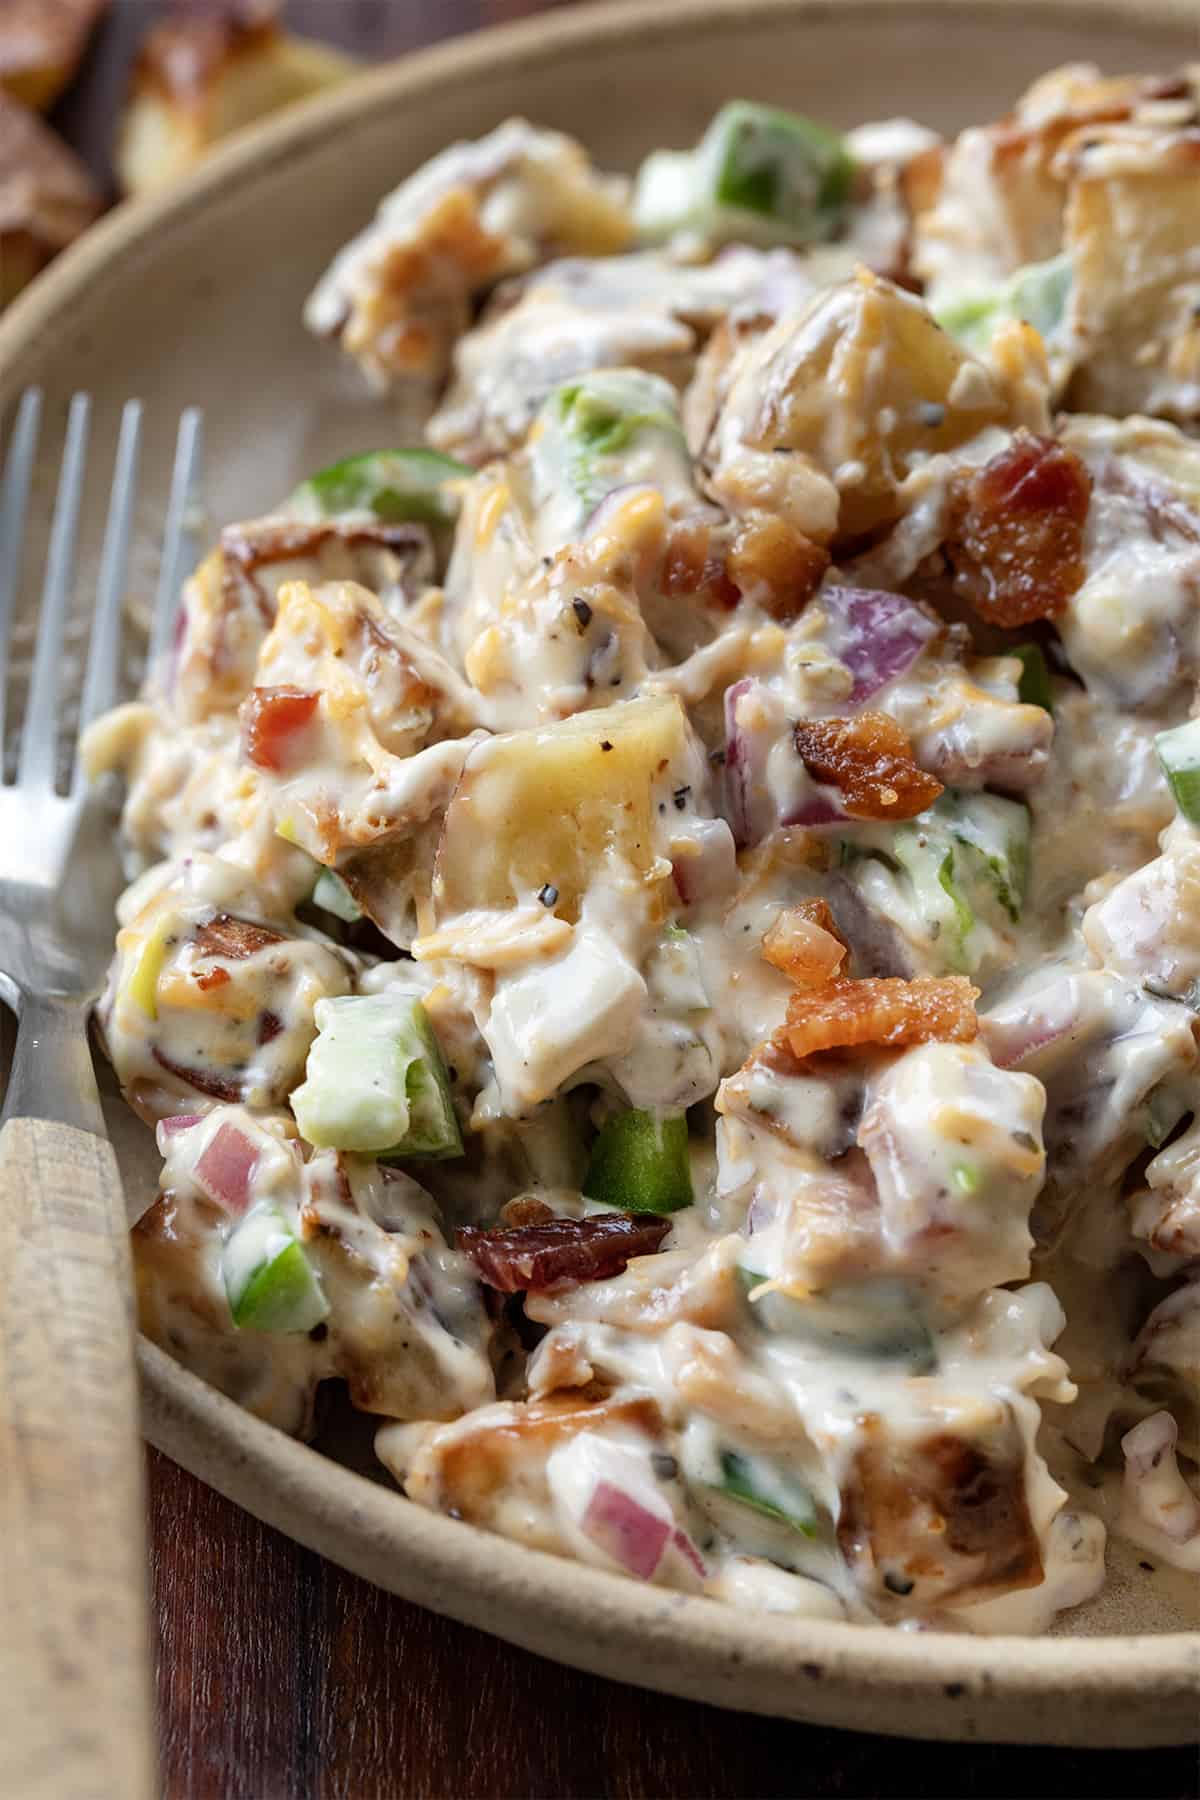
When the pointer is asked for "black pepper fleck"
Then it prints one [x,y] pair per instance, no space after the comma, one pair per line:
[583,613]
[1148,1566]
[664,1466]
[548,895]
[604,744]
[898,1584]
[932,413]
[680,797]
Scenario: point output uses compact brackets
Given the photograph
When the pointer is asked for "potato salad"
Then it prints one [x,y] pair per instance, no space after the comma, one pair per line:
[663,939]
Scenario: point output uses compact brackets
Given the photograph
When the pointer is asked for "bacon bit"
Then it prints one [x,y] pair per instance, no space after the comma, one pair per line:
[525,1210]
[692,568]
[271,719]
[1017,548]
[211,978]
[776,567]
[804,943]
[205,1081]
[525,1257]
[881,1010]
[869,760]
[234,939]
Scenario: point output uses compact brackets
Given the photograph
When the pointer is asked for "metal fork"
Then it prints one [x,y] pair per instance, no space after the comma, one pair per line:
[75,1697]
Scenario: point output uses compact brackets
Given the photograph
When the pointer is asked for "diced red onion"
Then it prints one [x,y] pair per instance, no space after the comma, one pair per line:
[626,1530]
[1154,1481]
[816,809]
[712,872]
[606,510]
[751,810]
[1144,1445]
[1012,1042]
[172,1126]
[737,772]
[689,1552]
[226,1168]
[878,636]
[174,656]
[761,1212]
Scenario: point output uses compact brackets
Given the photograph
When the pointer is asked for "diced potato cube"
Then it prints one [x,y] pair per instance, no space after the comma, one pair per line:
[862,386]
[540,809]
[42,44]
[1131,231]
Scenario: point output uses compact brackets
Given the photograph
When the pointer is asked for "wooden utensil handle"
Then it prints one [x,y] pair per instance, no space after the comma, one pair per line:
[75,1703]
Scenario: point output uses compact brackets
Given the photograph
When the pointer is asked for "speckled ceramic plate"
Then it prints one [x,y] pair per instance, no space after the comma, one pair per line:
[196,297]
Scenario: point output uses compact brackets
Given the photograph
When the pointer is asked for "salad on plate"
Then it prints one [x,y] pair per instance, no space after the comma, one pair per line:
[663,938]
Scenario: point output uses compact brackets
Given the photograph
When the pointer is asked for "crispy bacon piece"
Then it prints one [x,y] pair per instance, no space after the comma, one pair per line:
[1017,547]
[804,942]
[205,1081]
[869,759]
[524,1257]
[271,719]
[234,939]
[939,1516]
[881,1010]
[693,568]
[774,566]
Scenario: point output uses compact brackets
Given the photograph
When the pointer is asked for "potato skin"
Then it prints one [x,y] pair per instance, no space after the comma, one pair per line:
[41,46]
[46,197]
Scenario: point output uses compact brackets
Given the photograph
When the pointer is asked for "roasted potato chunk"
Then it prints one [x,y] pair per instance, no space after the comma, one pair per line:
[830,411]
[942,1514]
[46,197]
[42,44]
[538,810]
[1131,230]
[196,80]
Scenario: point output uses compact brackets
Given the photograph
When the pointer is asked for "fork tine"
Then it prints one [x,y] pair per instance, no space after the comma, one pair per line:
[36,767]
[101,681]
[178,552]
[14,505]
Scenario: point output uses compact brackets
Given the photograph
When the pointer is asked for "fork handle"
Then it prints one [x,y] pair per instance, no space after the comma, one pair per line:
[75,1697]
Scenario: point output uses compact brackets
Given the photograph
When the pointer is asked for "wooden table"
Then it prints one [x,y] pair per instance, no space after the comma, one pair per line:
[283,1678]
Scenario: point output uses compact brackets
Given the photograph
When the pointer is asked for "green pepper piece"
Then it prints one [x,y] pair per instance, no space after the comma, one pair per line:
[876,1319]
[269,1281]
[737,1480]
[640,1163]
[376,1082]
[778,164]
[997,832]
[758,175]
[332,895]
[1037,294]
[1034,686]
[588,427]
[395,486]
[1179,754]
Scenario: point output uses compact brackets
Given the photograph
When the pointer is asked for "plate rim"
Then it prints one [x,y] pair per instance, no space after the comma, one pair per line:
[1122,1689]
